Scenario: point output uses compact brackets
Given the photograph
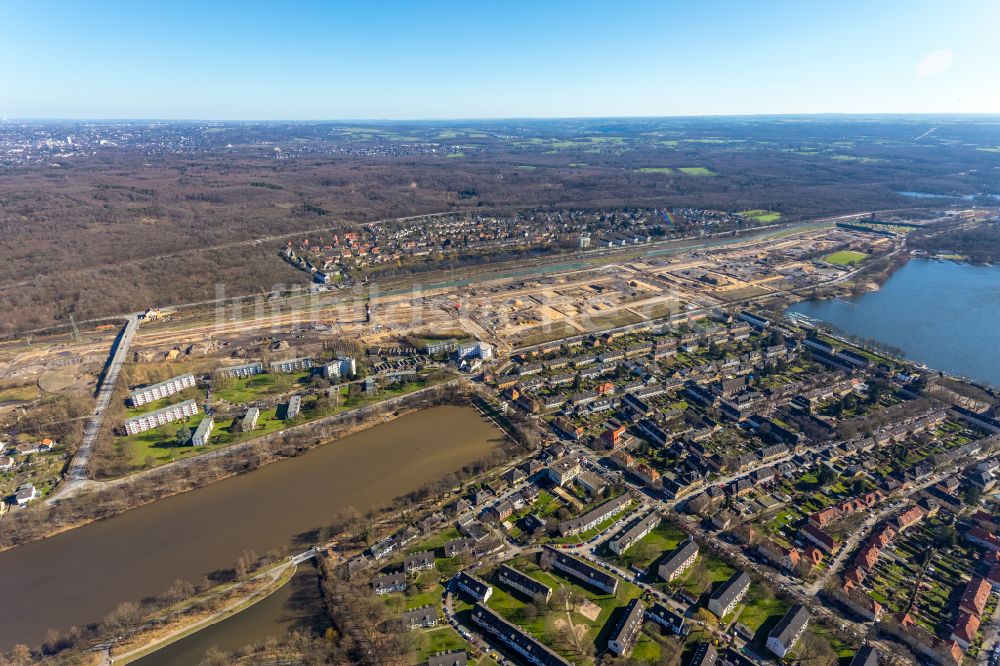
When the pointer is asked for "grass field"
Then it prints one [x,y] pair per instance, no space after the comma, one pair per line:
[655,170]
[697,171]
[761,215]
[845,258]
[159,445]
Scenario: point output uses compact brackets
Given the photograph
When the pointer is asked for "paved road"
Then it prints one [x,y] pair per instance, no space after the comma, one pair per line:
[76,474]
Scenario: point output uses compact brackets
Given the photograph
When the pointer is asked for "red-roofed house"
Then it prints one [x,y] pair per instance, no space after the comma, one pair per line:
[976,594]
[825,542]
[867,557]
[964,632]
[909,518]
[824,517]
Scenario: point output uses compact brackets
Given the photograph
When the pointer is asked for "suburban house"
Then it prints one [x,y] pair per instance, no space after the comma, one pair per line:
[394,582]
[965,629]
[456,658]
[975,596]
[26,493]
[623,636]
[423,617]
[418,562]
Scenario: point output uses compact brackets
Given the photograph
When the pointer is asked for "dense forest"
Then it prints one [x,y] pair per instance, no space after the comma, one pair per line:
[118,230]
[979,244]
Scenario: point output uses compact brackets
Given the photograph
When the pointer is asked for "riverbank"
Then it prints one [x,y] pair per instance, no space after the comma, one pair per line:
[274,578]
[116,496]
[78,577]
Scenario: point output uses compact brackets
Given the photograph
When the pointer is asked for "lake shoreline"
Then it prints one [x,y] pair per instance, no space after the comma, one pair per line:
[938,313]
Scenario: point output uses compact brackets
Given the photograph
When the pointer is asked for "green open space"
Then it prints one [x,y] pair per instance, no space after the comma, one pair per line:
[845,258]
[761,215]
[697,171]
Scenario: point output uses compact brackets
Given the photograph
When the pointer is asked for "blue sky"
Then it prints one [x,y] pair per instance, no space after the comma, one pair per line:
[475,59]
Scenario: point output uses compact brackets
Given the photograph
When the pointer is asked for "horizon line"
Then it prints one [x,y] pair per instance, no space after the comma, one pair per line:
[456,119]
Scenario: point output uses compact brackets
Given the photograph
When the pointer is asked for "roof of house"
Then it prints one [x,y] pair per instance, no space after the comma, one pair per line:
[456,658]
[474,582]
[512,633]
[420,615]
[423,559]
[966,627]
[629,623]
[584,570]
[976,594]
[510,575]
[866,656]
[731,589]
[790,625]
[676,559]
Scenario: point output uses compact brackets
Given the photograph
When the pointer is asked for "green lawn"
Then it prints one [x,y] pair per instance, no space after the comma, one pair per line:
[697,171]
[759,608]
[158,446]
[655,170]
[845,258]
[761,215]
[248,389]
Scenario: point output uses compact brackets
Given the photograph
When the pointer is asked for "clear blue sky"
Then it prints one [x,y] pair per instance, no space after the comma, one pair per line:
[468,59]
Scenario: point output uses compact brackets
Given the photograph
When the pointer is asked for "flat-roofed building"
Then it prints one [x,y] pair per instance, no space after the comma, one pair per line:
[168,387]
[203,432]
[241,371]
[160,417]
[291,365]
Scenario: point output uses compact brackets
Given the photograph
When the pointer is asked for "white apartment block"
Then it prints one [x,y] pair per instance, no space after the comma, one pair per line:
[147,394]
[161,417]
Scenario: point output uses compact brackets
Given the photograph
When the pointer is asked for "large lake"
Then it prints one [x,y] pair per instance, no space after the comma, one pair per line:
[79,576]
[941,313]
